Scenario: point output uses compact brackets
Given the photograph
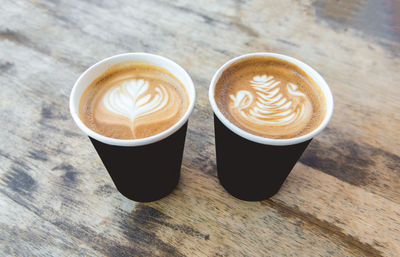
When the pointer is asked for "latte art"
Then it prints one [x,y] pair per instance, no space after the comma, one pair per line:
[133,101]
[268,106]
[269,97]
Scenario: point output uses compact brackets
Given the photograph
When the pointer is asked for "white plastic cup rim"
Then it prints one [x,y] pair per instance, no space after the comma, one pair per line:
[272,141]
[96,70]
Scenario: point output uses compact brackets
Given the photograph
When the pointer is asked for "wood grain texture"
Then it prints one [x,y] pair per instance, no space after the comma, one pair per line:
[341,199]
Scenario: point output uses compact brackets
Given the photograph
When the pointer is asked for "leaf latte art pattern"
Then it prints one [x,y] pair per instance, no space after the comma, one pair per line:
[132,99]
[271,104]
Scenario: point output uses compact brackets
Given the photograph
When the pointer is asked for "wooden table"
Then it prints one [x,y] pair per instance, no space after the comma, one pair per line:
[341,199]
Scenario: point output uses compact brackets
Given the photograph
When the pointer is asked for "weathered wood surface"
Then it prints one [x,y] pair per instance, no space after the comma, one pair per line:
[342,198]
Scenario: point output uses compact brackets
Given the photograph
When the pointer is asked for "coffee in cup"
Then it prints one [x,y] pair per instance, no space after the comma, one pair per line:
[269,97]
[133,100]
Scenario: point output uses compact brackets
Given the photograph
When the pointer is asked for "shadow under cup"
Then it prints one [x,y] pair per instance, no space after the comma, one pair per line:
[145,169]
[251,167]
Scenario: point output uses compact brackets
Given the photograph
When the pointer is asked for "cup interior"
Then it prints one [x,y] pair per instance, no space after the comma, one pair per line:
[99,68]
[320,82]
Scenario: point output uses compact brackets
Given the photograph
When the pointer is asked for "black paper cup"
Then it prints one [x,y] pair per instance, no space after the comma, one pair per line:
[253,168]
[144,169]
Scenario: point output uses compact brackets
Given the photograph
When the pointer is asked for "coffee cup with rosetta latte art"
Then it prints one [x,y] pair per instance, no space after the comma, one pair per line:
[267,108]
[135,108]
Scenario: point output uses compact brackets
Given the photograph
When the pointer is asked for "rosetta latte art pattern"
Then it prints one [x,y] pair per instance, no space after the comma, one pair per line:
[131,99]
[267,104]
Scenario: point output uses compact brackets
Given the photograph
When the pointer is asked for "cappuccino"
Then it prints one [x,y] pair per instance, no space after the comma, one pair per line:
[133,100]
[269,97]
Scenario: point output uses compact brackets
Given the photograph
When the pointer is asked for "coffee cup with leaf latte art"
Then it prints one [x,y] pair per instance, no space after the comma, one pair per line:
[134,107]
[269,97]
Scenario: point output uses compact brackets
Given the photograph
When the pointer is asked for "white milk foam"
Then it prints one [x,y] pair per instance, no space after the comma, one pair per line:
[132,99]
[266,104]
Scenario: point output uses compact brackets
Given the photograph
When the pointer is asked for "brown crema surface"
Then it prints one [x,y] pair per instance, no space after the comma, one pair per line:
[133,100]
[270,97]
